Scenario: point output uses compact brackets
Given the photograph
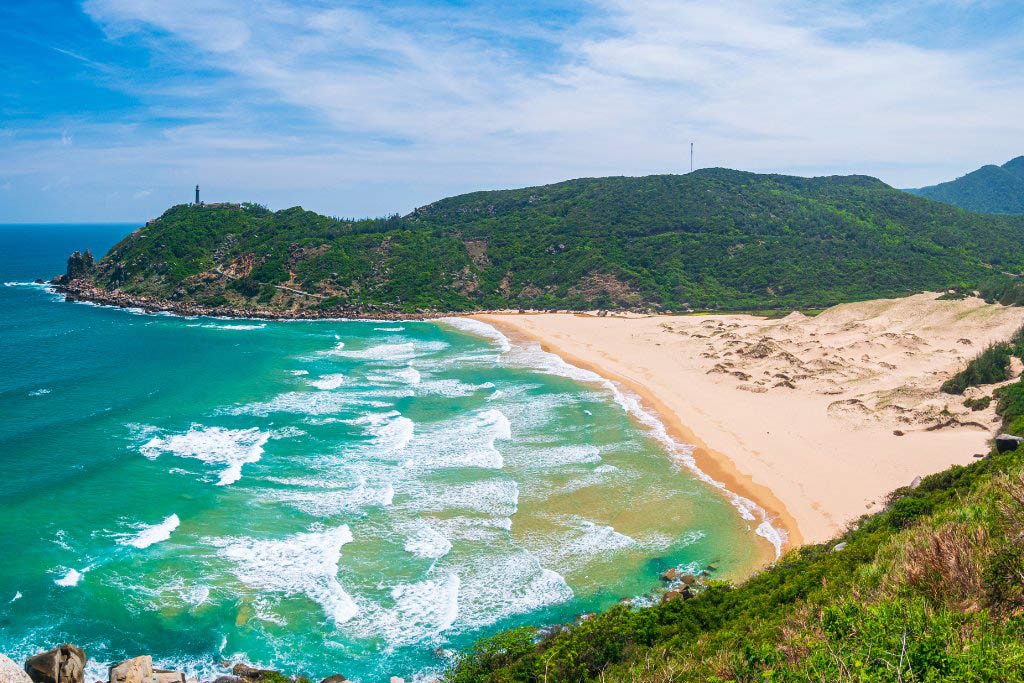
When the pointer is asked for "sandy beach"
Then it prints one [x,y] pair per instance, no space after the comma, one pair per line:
[817,418]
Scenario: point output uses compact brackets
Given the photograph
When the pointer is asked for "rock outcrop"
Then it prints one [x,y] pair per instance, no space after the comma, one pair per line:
[1008,442]
[10,672]
[64,664]
[135,670]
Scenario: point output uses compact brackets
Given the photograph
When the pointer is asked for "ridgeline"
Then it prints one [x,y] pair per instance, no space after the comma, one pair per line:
[715,239]
[990,189]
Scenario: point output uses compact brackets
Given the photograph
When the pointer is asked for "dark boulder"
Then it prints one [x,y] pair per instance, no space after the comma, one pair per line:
[64,664]
[249,674]
[334,678]
[1008,442]
[670,575]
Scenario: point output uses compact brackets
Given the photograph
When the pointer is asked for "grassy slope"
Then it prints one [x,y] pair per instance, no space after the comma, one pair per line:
[990,189]
[929,590]
[714,239]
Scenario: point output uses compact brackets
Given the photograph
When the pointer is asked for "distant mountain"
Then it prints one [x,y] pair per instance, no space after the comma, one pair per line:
[990,189]
[715,239]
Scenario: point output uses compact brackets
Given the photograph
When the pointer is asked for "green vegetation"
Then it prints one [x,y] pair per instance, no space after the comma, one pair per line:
[715,239]
[928,590]
[977,404]
[990,189]
[989,367]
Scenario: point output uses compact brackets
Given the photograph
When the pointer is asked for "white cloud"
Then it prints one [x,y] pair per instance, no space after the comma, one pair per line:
[302,96]
[142,194]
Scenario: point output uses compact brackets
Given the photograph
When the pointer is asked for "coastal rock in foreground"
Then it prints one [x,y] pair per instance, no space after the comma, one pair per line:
[135,670]
[10,672]
[140,670]
[335,678]
[64,664]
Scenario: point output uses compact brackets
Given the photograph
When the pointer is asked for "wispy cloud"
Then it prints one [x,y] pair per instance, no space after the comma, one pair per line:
[306,102]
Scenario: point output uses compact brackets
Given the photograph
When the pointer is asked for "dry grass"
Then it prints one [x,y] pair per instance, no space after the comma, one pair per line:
[946,564]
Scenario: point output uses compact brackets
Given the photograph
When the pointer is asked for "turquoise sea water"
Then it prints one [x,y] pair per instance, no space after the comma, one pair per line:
[319,497]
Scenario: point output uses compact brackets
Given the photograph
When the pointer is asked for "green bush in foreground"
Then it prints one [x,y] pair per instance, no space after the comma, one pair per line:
[928,590]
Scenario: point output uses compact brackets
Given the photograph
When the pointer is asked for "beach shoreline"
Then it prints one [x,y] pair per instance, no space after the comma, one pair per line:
[816,420]
[715,465]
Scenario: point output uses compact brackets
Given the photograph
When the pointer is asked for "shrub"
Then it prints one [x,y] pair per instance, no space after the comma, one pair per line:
[989,367]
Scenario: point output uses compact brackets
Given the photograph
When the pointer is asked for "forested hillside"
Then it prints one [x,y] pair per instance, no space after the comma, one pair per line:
[990,189]
[714,239]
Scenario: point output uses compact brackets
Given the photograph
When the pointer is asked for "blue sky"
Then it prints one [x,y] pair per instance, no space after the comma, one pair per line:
[113,109]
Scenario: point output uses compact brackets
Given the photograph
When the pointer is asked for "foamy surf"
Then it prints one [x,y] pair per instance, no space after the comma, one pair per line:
[71,578]
[155,533]
[214,445]
[427,542]
[303,564]
[328,382]
[480,329]
[464,442]
[535,358]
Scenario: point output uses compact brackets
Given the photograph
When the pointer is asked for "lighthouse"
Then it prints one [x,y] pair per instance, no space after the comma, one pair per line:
[197,195]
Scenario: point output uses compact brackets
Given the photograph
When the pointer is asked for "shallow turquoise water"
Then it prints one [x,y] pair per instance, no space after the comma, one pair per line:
[318,497]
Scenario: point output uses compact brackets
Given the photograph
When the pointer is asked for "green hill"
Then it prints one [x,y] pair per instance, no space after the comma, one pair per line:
[713,239]
[990,189]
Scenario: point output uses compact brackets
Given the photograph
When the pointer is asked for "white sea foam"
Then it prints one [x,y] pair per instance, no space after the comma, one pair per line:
[286,432]
[560,456]
[421,612]
[61,540]
[494,588]
[71,578]
[452,388]
[312,403]
[331,502]
[39,392]
[391,431]
[406,375]
[299,373]
[328,382]
[480,329]
[230,326]
[154,533]
[497,497]
[427,542]
[214,445]
[533,357]
[383,352]
[580,542]
[301,564]
[394,353]
[17,596]
[463,442]
[389,329]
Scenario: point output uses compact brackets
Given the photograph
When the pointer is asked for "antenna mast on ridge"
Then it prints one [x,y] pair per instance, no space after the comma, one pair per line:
[691,157]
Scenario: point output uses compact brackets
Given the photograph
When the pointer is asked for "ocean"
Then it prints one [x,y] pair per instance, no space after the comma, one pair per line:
[319,497]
